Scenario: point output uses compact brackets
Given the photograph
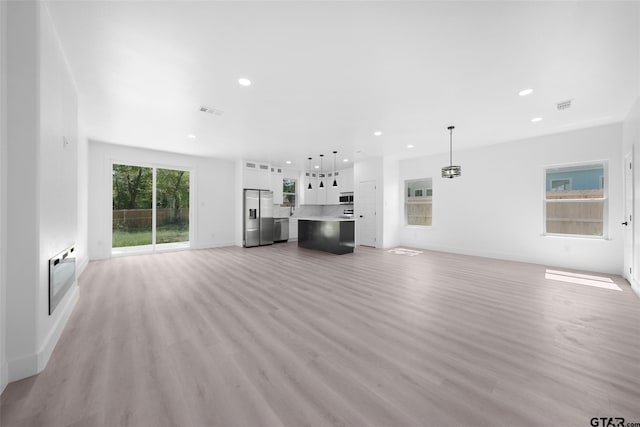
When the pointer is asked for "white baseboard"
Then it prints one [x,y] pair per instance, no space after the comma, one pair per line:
[502,256]
[214,245]
[34,363]
[81,265]
[635,285]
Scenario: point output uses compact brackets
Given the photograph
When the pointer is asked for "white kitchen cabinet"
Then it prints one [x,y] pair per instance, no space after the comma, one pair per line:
[321,193]
[333,193]
[345,180]
[276,185]
[310,196]
[256,175]
[293,229]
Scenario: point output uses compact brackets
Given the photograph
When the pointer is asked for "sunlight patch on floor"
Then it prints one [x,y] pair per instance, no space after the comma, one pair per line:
[581,279]
[403,251]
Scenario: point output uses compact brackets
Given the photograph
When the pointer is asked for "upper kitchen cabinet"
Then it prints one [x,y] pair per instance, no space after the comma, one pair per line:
[276,185]
[256,175]
[321,192]
[310,195]
[345,181]
[333,193]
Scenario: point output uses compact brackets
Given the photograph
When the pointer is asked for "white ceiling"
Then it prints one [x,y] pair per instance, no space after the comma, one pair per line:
[326,75]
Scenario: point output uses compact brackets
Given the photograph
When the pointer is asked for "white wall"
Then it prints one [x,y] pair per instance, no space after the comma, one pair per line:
[495,208]
[392,193]
[238,198]
[42,182]
[212,210]
[58,198]
[82,250]
[22,187]
[3,195]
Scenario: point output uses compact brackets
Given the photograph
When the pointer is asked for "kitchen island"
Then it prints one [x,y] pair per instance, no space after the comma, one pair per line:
[329,234]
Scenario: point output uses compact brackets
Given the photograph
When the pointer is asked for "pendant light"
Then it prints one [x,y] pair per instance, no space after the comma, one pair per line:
[451,171]
[321,183]
[335,183]
[309,187]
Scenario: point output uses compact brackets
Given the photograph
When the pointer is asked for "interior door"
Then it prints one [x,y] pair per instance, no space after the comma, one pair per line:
[366,228]
[628,217]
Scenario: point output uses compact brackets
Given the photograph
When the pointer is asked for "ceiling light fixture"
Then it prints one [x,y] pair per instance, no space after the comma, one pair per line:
[451,171]
[309,186]
[244,82]
[525,92]
[536,119]
[345,160]
[317,167]
[288,162]
[335,182]
[410,146]
[377,133]
[321,183]
[192,136]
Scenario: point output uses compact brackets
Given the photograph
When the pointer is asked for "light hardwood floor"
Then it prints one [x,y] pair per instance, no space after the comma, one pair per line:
[278,335]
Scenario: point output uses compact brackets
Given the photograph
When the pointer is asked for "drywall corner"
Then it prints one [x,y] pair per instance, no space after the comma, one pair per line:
[50,341]
[33,364]
[392,195]
[238,203]
[3,193]
[4,376]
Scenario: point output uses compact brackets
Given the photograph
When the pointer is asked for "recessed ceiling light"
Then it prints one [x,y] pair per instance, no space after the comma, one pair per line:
[244,82]
[377,133]
[191,136]
[288,162]
[317,167]
[345,160]
[525,92]
[536,119]
[410,146]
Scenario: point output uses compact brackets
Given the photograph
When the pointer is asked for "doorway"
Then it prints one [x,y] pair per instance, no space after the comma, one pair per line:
[366,223]
[150,208]
[628,217]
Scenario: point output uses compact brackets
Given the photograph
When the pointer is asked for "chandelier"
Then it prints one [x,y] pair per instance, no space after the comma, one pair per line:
[451,171]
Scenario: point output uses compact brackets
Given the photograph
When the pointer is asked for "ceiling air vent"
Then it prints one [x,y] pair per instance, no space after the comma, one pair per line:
[210,110]
[560,106]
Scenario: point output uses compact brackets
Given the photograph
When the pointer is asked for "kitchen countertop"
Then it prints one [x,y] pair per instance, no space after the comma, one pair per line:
[324,218]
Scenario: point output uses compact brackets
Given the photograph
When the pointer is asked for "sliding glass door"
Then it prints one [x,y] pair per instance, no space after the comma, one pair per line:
[150,208]
[172,206]
[132,206]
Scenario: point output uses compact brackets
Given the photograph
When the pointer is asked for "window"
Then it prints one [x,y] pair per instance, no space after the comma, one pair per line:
[561,184]
[289,192]
[575,200]
[418,202]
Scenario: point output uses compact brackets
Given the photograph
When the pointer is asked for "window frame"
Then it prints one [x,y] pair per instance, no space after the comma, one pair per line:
[563,179]
[154,247]
[604,199]
[295,193]
[412,193]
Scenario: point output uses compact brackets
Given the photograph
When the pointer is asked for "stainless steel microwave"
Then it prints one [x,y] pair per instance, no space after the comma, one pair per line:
[346,198]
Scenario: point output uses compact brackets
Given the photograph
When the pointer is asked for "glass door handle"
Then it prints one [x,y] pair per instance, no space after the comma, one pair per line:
[625,223]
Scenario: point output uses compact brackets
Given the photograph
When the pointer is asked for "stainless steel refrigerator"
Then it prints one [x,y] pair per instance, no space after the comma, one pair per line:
[257,218]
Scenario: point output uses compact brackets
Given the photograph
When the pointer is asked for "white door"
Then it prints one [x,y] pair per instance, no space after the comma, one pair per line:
[628,217]
[365,204]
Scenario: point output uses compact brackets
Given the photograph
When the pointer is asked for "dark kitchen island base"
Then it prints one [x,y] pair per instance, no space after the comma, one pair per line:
[334,235]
